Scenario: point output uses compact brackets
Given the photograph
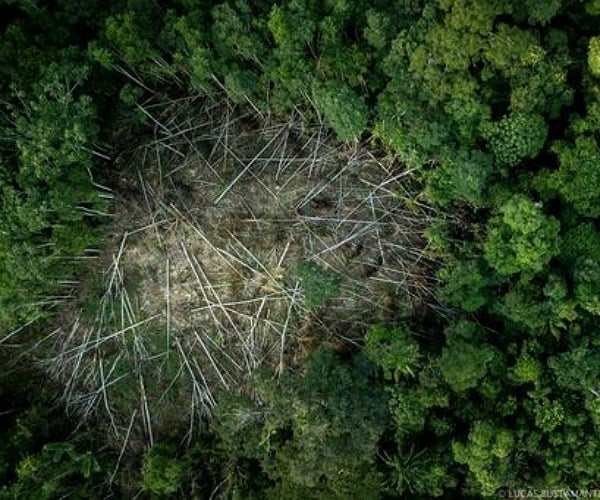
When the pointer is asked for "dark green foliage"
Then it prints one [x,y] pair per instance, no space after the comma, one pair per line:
[414,133]
[466,284]
[465,359]
[343,110]
[38,458]
[333,448]
[316,435]
[319,284]
[516,137]
[162,473]
[394,350]
[586,278]
[543,12]
[464,365]
[411,402]
[581,241]
[538,310]
[461,177]
[578,178]
[419,472]
[132,44]
[522,305]
[240,85]
[59,469]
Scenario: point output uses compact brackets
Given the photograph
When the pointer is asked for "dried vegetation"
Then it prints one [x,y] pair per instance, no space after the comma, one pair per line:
[237,242]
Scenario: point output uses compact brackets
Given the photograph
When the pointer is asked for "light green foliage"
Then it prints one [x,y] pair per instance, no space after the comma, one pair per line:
[394,350]
[378,30]
[344,110]
[54,130]
[578,178]
[516,137]
[58,469]
[232,35]
[438,237]
[280,27]
[40,222]
[293,28]
[199,63]
[527,369]
[587,284]
[594,55]
[196,56]
[444,72]
[319,284]
[588,124]
[125,33]
[100,55]
[408,410]
[292,78]
[522,238]
[592,404]
[593,7]
[444,58]
[548,414]
[162,473]
[537,74]
[487,454]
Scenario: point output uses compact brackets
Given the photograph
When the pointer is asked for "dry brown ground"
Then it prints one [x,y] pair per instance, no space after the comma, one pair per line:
[200,281]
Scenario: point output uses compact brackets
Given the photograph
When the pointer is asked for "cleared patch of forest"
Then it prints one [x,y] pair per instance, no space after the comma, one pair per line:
[236,242]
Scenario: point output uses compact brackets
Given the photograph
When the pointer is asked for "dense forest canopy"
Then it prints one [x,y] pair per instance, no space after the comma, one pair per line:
[488,381]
